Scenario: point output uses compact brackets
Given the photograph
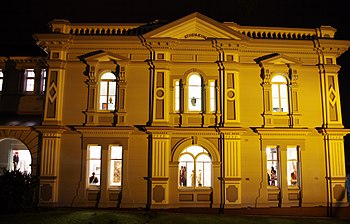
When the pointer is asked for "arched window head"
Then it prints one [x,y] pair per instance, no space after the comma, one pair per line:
[195,92]
[195,167]
[279,94]
[108,88]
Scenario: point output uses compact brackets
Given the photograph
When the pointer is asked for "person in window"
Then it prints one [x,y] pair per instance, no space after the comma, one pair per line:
[199,178]
[193,178]
[193,101]
[184,176]
[273,176]
[93,179]
[15,160]
[268,179]
[293,176]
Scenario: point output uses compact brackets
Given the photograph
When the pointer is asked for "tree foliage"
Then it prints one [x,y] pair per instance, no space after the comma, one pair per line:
[17,191]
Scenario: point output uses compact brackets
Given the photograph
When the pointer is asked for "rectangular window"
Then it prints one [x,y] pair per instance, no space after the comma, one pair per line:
[177,96]
[29,80]
[293,166]
[94,165]
[272,157]
[115,167]
[1,80]
[43,80]
[212,95]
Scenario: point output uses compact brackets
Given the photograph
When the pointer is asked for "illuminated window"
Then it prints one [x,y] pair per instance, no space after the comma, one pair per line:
[212,95]
[43,80]
[94,165]
[177,95]
[272,157]
[1,80]
[279,94]
[115,166]
[195,168]
[293,166]
[195,92]
[107,91]
[29,80]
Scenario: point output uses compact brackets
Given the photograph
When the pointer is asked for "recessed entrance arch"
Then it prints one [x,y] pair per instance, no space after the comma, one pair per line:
[15,155]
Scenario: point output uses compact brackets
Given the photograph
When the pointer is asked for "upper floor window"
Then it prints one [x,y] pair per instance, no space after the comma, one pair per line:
[212,96]
[195,167]
[94,164]
[29,80]
[279,94]
[195,92]
[43,80]
[1,80]
[177,95]
[108,88]
[115,166]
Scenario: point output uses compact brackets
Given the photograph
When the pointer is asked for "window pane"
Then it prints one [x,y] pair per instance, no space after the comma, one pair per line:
[103,88]
[108,75]
[195,93]
[272,166]
[116,173]
[95,152]
[212,96]
[1,81]
[116,152]
[30,85]
[112,88]
[177,95]
[292,166]
[95,172]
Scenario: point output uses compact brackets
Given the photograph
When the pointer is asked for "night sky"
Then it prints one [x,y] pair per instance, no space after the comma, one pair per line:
[19,19]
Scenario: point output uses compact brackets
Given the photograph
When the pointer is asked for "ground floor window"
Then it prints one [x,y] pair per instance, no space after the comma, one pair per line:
[272,155]
[115,166]
[94,165]
[293,165]
[195,167]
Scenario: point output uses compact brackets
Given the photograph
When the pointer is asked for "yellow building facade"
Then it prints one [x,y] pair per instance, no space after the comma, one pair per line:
[192,113]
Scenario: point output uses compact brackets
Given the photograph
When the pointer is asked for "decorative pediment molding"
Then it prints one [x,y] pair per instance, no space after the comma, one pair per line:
[101,56]
[197,27]
[277,59]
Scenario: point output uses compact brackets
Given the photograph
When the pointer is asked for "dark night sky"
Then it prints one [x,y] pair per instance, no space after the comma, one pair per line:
[19,19]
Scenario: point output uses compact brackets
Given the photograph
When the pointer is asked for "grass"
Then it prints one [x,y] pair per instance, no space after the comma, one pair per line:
[100,216]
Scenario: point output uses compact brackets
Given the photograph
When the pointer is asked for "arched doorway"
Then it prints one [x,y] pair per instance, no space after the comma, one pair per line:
[14,155]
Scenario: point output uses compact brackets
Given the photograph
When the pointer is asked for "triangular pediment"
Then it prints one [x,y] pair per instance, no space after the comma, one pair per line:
[102,56]
[276,59]
[195,26]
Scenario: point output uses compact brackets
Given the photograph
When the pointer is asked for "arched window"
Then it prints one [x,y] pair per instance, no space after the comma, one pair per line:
[195,92]
[195,167]
[279,94]
[107,91]
[14,156]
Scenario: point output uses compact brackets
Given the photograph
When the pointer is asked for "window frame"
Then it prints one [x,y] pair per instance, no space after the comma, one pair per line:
[276,164]
[283,101]
[110,162]
[200,183]
[104,106]
[193,99]
[97,170]
[296,165]
[29,80]
[1,80]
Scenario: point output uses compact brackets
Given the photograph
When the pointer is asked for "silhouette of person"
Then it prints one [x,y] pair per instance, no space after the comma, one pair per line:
[273,176]
[15,160]
[93,179]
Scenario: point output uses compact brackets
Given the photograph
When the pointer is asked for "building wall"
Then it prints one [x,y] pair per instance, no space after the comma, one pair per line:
[153,135]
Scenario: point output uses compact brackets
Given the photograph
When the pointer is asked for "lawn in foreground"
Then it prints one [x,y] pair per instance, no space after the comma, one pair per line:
[99,216]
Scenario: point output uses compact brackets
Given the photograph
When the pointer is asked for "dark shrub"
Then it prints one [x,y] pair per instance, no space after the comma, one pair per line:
[16,191]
